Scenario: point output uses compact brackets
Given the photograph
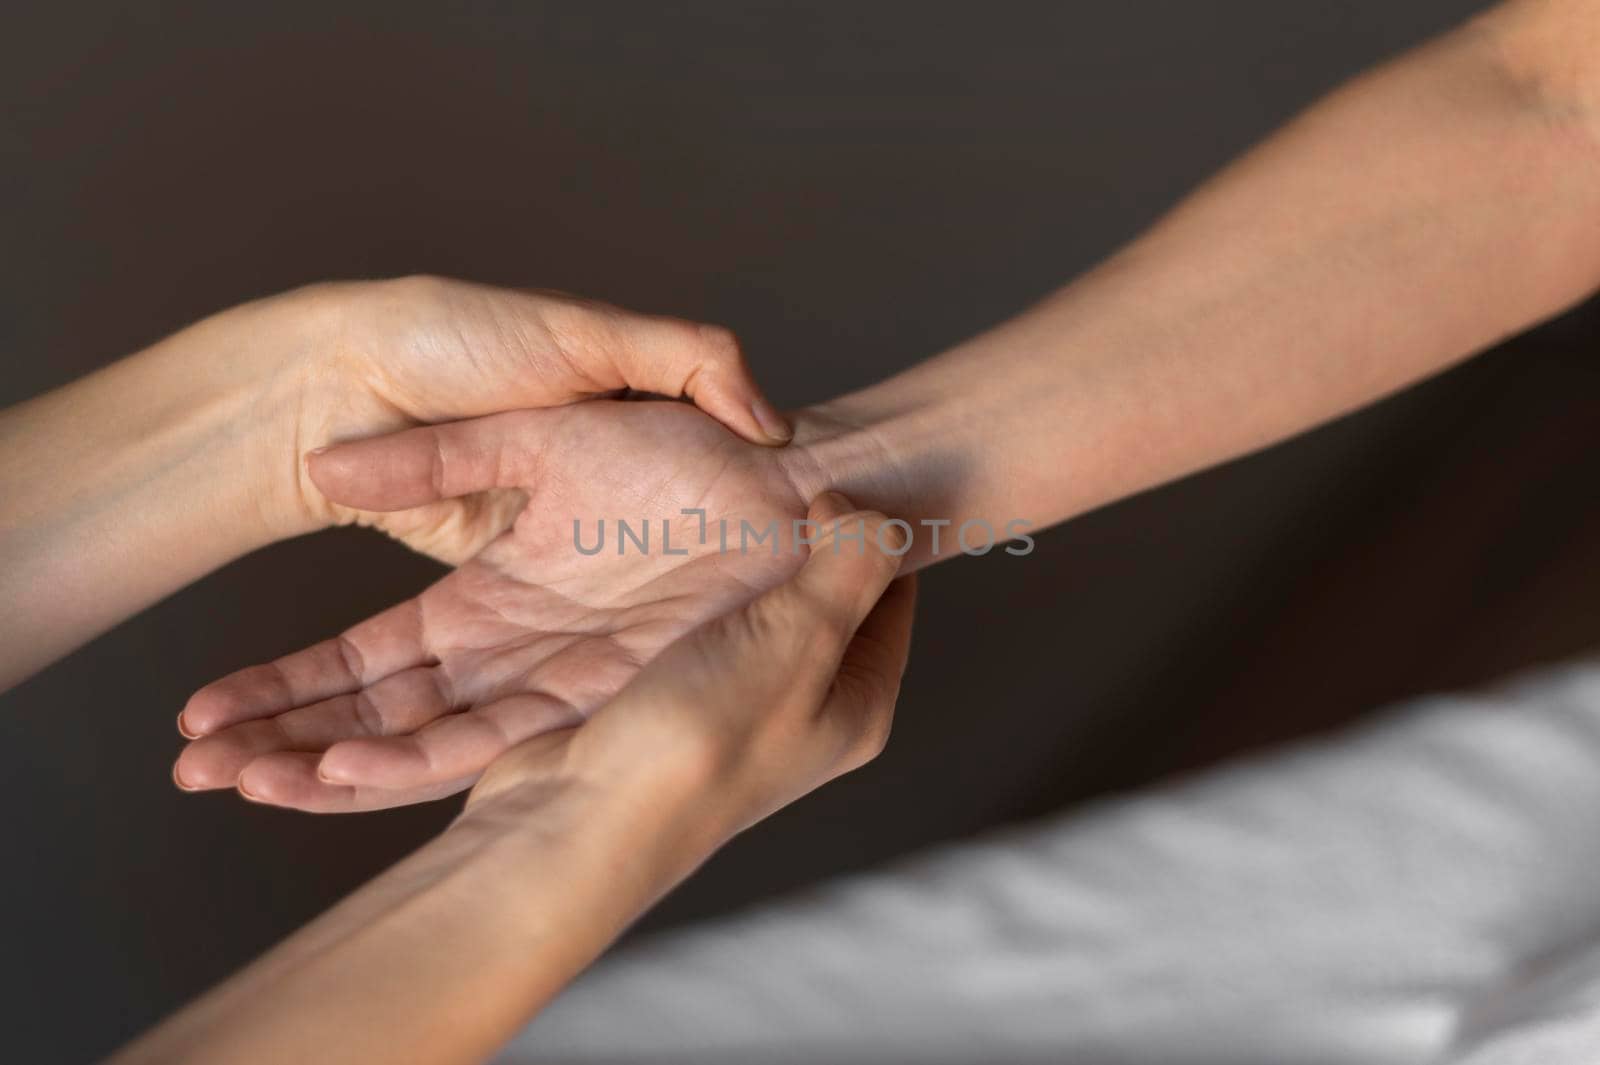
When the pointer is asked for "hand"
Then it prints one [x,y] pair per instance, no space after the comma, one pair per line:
[530,634]
[123,486]
[754,708]
[569,836]
[392,354]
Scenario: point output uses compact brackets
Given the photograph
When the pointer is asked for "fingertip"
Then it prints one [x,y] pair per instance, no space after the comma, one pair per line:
[335,768]
[199,717]
[363,761]
[837,515]
[721,384]
[260,783]
[893,537]
[197,770]
[773,425]
[379,473]
[830,506]
[206,711]
[328,468]
[852,562]
[739,406]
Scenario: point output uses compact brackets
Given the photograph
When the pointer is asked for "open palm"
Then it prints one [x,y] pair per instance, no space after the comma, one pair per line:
[529,635]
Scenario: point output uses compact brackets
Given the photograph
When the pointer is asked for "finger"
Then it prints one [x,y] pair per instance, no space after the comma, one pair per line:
[289,779]
[705,364]
[668,356]
[454,747]
[855,557]
[795,635]
[783,649]
[401,702]
[363,654]
[433,462]
[868,682]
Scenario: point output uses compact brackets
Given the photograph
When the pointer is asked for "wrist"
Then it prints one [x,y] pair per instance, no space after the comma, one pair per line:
[641,805]
[317,386]
[199,422]
[130,483]
[1016,429]
[265,361]
[932,457]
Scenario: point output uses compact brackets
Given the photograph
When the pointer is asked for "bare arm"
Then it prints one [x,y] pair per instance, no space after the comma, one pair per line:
[120,488]
[1415,216]
[569,836]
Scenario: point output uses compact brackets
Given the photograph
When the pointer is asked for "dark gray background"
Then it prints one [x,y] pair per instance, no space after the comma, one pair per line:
[851,187]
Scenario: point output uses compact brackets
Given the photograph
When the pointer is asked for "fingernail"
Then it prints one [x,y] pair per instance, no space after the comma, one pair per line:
[327,777]
[772,423]
[177,779]
[898,537]
[246,792]
[183,728]
[319,450]
[831,506]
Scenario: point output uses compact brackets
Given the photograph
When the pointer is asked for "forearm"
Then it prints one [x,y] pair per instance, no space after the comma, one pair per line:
[442,958]
[122,487]
[570,835]
[1414,217]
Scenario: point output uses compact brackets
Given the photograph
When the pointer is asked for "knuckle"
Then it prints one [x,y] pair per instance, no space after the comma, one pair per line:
[829,629]
[571,324]
[369,718]
[420,287]
[871,683]
[799,628]
[881,564]
[864,741]
[719,343]
[873,737]
[781,624]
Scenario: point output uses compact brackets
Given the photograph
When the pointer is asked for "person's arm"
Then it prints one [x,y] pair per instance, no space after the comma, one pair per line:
[128,484]
[571,835]
[1415,216]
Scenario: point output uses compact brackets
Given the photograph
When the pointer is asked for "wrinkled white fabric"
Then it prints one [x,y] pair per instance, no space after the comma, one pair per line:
[1422,890]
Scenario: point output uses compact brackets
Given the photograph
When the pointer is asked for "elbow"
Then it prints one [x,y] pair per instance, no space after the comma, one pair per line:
[1548,52]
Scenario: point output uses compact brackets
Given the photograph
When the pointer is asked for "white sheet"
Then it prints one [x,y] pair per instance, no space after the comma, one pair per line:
[1423,890]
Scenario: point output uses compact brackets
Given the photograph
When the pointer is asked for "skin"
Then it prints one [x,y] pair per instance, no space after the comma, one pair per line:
[529,634]
[122,487]
[1422,212]
[1416,215]
[449,952]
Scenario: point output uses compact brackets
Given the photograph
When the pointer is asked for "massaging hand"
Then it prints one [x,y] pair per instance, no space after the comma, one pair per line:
[751,710]
[569,836]
[530,634]
[120,488]
[425,350]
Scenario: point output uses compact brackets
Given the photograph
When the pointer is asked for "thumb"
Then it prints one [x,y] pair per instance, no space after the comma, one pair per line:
[797,635]
[853,560]
[710,370]
[434,462]
[670,357]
